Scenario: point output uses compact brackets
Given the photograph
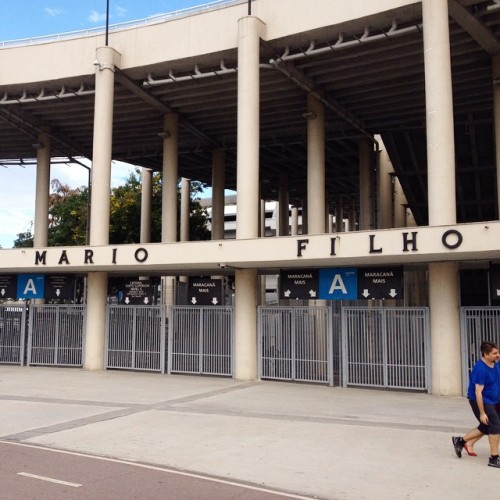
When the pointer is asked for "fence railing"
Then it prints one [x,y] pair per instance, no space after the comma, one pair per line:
[12,334]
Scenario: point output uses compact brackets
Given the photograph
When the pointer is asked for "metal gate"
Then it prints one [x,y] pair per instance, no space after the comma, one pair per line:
[295,344]
[135,338]
[55,335]
[386,347]
[476,324]
[201,340]
[12,334]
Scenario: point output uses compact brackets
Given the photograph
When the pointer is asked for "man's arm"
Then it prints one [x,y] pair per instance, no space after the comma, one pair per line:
[479,400]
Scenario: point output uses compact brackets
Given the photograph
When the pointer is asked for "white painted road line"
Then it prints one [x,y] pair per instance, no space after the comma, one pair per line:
[49,479]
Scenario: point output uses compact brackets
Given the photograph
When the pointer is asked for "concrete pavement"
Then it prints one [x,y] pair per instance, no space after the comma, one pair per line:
[312,440]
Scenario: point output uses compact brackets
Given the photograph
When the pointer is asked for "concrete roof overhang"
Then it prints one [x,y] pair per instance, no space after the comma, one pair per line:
[368,70]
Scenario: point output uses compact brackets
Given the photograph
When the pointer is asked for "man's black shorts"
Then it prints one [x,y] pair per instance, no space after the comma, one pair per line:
[493,426]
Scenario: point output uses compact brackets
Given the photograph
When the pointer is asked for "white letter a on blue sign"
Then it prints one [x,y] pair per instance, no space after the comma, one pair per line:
[30,287]
[337,284]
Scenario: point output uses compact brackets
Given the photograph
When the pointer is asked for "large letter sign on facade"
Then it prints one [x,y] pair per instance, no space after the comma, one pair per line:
[30,286]
[338,284]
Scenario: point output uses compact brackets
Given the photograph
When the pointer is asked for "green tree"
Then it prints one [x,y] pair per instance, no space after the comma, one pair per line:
[68,210]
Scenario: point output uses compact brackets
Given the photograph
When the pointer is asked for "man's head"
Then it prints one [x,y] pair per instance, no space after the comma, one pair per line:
[490,351]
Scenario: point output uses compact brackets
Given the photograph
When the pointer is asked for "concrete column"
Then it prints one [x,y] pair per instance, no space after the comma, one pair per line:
[445,328]
[97,286]
[146,199]
[245,342]
[41,229]
[496,121]
[365,184]
[262,214]
[400,203]
[218,185]
[185,202]
[316,191]
[384,189]
[351,220]
[106,60]
[443,277]
[284,203]
[339,217]
[170,174]
[249,31]
[97,283]
[439,113]
[295,221]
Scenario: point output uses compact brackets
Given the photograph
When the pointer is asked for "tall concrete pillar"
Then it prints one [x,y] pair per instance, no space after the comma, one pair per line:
[339,216]
[41,229]
[250,30]
[146,199]
[106,61]
[245,322]
[284,203]
[444,293]
[496,121]
[385,172]
[400,203]
[247,223]
[295,221]
[218,185]
[169,195]
[185,202]
[316,191]
[365,184]
[351,218]
[262,219]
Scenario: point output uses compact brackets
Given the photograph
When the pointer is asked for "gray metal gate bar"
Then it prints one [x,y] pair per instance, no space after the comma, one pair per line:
[12,334]
[201,340]
[135,337]
[476,324]
[386,347]
[295,343]
[55,335]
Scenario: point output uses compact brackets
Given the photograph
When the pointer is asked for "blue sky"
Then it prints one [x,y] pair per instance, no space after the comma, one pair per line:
[32,18]
[21,19]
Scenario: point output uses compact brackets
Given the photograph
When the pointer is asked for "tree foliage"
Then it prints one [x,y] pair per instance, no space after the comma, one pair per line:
[68,209]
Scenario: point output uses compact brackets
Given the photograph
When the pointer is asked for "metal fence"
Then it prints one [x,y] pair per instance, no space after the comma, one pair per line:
[476,324]
[386,347]
[135,338]
[201,340]
[55,335]
[295,343]
[12,334]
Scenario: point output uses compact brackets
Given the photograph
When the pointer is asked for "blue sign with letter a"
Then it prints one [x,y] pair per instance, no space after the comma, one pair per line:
[338,283]
[31,286]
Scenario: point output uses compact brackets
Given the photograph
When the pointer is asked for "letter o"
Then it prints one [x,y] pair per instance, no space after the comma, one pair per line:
[141,255]
[458,236]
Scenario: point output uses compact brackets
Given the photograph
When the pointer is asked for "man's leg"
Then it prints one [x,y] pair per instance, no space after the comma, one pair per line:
[494,439]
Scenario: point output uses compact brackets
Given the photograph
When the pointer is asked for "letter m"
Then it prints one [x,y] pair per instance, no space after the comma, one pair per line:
[40,257]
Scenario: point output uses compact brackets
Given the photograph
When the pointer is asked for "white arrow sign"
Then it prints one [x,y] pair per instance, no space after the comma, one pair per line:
[193,300]
[393,293]
[127,300]
[3,291]
[146,300]
[214,301]
[498,292]
[365,293]
[58,292]
[312,293]
[287,293]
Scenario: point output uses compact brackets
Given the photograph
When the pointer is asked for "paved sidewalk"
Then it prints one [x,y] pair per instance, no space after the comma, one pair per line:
[312,440]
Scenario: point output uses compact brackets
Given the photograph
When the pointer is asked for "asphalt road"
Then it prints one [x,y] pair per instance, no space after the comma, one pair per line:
[35,473]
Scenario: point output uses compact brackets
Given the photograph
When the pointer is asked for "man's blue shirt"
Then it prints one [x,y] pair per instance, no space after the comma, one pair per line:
[482,374]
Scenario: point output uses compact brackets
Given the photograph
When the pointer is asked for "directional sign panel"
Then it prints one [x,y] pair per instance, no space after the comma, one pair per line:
[379,283]
[137,292]
[205,292]
[30,286]
[59,287]
[338,284]
[495,282]
[8,286]
[299,284]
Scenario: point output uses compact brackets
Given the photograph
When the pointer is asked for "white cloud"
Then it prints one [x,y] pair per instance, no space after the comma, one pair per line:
[120,11]
[96,17]
[53,12]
